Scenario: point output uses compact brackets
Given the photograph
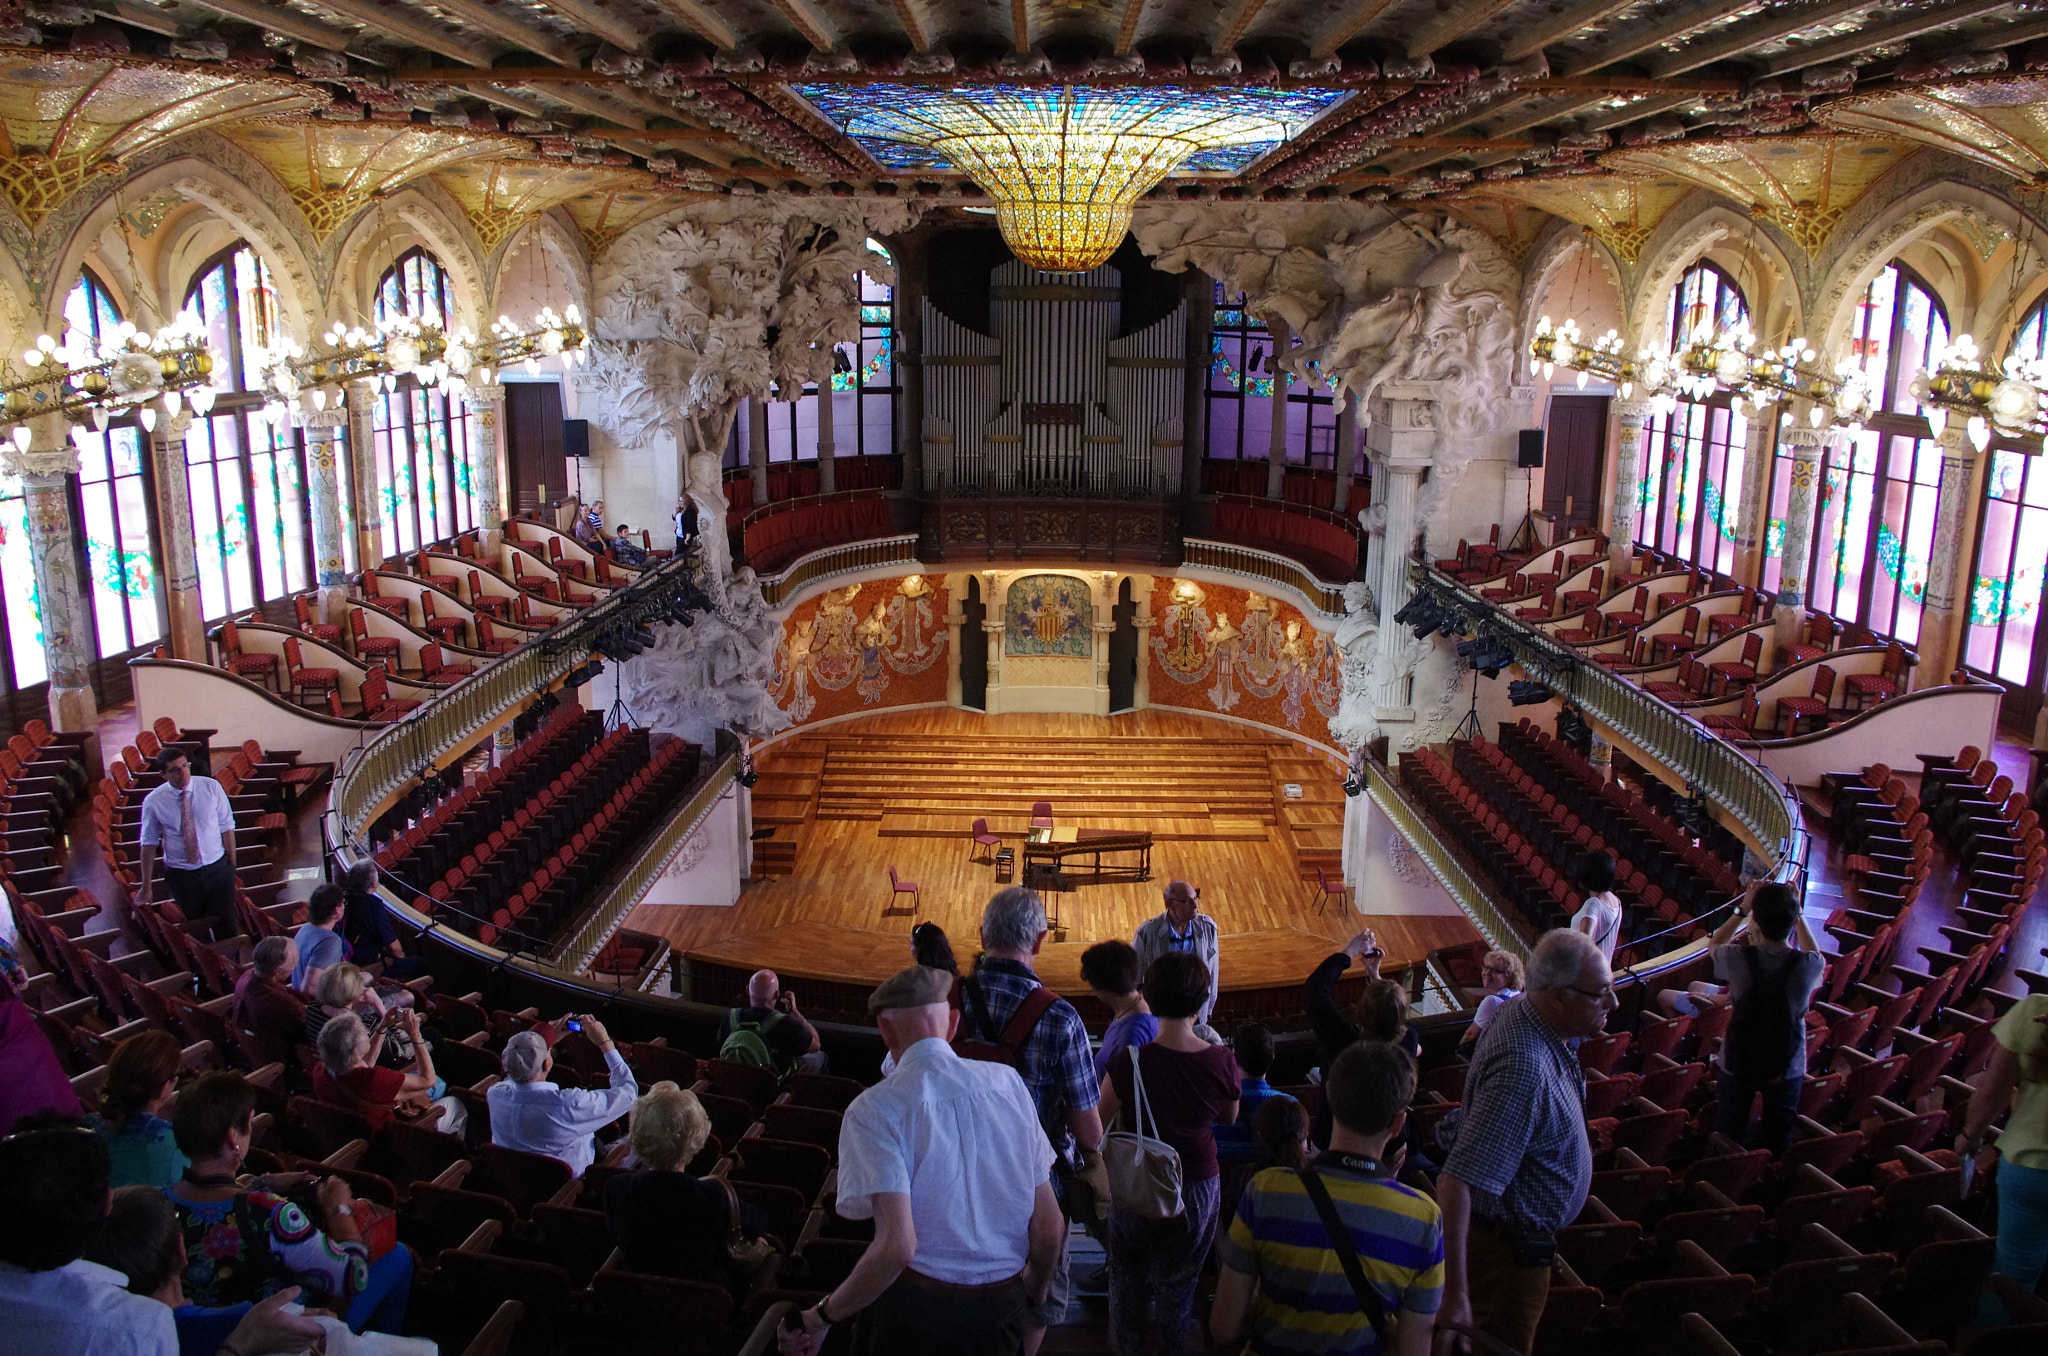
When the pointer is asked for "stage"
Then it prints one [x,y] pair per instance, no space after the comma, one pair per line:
[850,800]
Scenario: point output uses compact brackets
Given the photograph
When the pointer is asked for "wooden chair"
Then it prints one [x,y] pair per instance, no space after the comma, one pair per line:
[302,608]
[371,648]
[306,680]
[496,605]
[257,668]
[489,641]
[447,630]
[1813,706]
[435,668]
[1861,689]
[1734,673]
[1741,725]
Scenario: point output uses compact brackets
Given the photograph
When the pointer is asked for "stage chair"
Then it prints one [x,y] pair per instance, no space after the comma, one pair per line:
[1041,814]
[1325,889]
[983,838]
[898,886]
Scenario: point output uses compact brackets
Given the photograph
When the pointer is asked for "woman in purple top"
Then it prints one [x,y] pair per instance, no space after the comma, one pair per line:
[1110,970]
[31,1079]
[1189,1086]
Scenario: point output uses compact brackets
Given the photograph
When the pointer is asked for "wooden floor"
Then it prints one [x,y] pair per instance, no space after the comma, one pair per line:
[856,798]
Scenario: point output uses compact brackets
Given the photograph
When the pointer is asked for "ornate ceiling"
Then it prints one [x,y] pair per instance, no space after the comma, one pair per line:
[1604,112]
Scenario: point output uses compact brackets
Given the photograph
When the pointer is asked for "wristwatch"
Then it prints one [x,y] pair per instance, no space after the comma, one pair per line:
[346,1210]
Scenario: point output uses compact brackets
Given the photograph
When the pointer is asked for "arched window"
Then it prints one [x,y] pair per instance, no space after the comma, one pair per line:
[863,395]
[2004,639]
[247,477]
[1693,459]
[421,437]
[1874,522]
[115,500]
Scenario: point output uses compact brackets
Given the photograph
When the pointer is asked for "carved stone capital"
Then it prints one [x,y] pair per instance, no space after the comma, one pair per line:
[322,423]
[50,451]
[482,397]
[1637,412]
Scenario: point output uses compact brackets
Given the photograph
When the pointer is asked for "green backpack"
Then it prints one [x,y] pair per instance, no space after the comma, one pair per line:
[748,1045]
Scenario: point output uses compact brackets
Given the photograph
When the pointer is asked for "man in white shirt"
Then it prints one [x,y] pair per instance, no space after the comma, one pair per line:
[531,1114]
[1183,928]
[948,1158]
[189,821]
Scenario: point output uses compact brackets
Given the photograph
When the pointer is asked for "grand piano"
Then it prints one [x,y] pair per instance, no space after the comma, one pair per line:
[1076,856]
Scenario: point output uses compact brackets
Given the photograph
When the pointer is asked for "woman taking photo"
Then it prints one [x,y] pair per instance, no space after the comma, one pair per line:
[1189,1085]
[347,1076]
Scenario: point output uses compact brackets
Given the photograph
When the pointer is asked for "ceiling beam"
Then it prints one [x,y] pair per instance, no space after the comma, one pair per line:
[1020,24]
[1461,143]
[1736,39]
[1881,35]
[1342,28]
[502,75]
[524,107]
[2010,36]
[1628,84]
[916,19]
[662,136]
[1636,39]
[1642,108]
[1241,17]
[1453,24]
[502,26]
[290,23]
[146,17]
[1558,27]
[583,101]
[810,21]
[601,23]
[700,20]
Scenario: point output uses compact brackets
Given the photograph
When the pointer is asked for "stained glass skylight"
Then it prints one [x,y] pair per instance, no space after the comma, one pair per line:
[1065,165]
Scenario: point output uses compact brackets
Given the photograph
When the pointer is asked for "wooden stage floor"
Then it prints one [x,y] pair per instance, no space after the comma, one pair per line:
[831,919]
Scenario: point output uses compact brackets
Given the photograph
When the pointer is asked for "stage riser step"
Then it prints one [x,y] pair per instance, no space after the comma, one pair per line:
[1078,812]
[1184,830]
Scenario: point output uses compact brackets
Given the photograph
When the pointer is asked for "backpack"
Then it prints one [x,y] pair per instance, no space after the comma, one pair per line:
[748,1044]
[1763,1035]
[1010,1043]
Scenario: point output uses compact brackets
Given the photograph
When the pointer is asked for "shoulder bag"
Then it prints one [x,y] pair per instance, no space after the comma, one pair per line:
[1144,1170]
[747,1253]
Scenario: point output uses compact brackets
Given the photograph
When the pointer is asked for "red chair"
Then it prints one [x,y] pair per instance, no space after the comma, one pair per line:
[1861,689]
[983,838]
[447,630]
[255,667]
[369,648]
[1813,706]
[1041,814]
[435,668]
[318,630]
[1733,673]
[489,641]
[1741,725]
[1820,638]
[306,680]
[497,605]
[899,886]
[1325,889]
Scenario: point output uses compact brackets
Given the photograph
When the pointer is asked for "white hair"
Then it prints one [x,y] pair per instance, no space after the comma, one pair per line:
[525,1055]
[1559,959]
[1013,920]
[341,1040]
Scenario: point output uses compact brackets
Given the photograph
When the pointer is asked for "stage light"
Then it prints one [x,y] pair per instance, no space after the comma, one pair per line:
[1573,730]
[1529,692]
[1415,609]
[1487,654]
[1454,624]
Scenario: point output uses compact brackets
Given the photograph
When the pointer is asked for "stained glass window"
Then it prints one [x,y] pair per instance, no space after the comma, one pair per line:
[1240,399]
[1874,521]
[19,608]
[1693,459]
[422,438]
[246,477]
[2006,591]
[863,394]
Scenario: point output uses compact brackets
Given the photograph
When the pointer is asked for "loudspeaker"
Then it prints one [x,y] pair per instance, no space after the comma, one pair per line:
[576,437]
[1529,456]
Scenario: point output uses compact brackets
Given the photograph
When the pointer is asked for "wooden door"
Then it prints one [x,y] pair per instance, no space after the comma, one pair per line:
[1123,650]
[973,657]
[1575,459]
[534,454]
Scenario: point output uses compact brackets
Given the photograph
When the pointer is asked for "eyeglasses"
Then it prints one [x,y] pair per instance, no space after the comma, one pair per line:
[1599,995]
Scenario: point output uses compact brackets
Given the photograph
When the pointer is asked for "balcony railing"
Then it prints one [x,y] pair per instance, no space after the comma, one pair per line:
[1443,863]
[858,555]
[1266,567]
[1722,772]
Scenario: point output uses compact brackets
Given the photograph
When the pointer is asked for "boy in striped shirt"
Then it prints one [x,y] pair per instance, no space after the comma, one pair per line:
[1278,1244]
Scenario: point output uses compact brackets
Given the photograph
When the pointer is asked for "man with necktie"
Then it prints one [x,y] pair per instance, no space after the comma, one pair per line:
[188,820]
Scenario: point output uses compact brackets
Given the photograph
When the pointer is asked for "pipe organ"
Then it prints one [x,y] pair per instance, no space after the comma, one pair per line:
[1053,403]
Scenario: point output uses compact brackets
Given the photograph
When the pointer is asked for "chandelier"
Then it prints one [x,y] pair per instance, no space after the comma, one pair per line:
[436,357]
[2012,402]
[1065,165]
[82,378]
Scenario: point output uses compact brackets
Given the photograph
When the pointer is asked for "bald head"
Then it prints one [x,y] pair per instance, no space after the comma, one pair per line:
[763,988]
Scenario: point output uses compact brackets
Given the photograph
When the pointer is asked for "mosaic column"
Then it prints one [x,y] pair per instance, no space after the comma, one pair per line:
[485,402]
[1401,440]
[369,504]
[1628,488]
[757,448]
[322,429]
[1807,446]
[1945,609]
[46,471]
[180,560]
[826,480]
[1276,435]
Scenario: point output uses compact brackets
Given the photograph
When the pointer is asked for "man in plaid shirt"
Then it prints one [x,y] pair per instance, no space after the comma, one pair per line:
[1054,1061]
[1520,1164]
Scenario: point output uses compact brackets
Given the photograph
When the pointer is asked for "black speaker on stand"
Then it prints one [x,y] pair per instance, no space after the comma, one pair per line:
[1529,457]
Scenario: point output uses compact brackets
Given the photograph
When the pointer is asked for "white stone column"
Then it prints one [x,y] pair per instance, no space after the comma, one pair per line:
[1141,690]
[362,461]
[486,403]
[1951,572]
[180,565]
[1401,440]
[1628,488]
[322,429]
[46,470]
[827,481]
[1276,436]
[1807,445]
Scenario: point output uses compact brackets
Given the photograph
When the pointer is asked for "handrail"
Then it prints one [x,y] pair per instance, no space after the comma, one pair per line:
[1724,773]
[1314,511]
[1231,558]
[654,854]
[1420,834]
[900,549]
[776,507]
[476,705]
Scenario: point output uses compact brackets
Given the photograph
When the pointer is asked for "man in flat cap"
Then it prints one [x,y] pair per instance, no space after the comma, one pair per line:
[947,1157]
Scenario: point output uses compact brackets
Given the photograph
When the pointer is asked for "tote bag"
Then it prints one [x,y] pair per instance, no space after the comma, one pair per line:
[1144,1171]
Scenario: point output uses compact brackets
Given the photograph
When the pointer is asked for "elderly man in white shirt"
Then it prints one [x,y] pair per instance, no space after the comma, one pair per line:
[1182,928]
[535,1116]
[189,821]
[948,1158]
